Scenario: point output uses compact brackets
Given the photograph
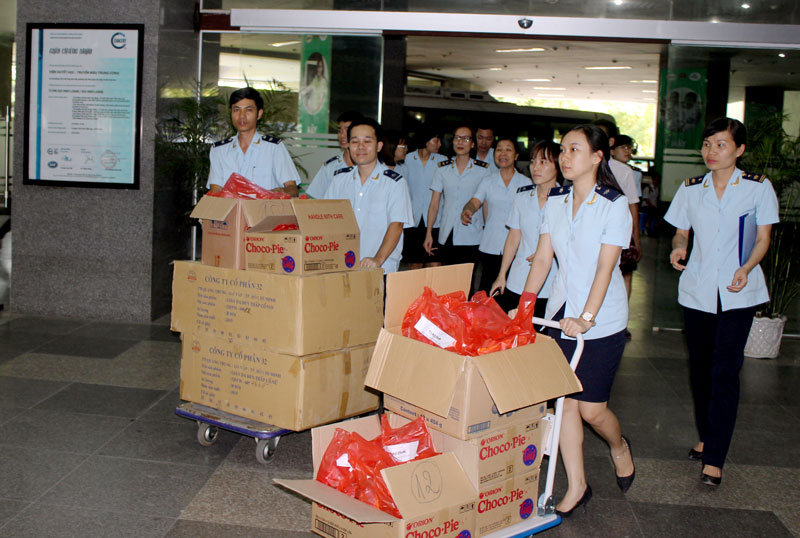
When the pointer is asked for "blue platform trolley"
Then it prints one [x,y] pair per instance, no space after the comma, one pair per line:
[210,420]
[546,517]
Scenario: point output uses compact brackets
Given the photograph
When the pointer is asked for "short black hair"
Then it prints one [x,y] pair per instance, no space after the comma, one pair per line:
[511,139]
[367,121]
[425,133]
[622,140]
[608,126]
[348,116]
[246,93]
[484,127]
[735,127]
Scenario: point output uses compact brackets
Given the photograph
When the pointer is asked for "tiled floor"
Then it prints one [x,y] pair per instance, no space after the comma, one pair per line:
[91,446]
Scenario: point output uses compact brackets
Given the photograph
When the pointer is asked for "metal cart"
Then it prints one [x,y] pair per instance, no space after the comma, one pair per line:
[546,516]
[209,421]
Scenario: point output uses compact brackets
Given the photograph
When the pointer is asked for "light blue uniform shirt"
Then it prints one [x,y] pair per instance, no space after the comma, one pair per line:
[527,217]
[419,185]
[715,250]
[324,176]
[603,218]
[380,201]
[267,163]
[490,161]
[498,199]
[457,189]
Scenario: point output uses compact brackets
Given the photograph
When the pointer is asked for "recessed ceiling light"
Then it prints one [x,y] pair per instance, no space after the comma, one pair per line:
[745,6]
[782,55]
[607,67]
[649,91]
[530,80]
[617,2]
[495,69]
[644,81]
[547,88]
[532,49]
[285,43]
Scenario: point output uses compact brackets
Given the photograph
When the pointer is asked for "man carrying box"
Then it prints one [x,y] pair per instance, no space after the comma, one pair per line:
[263,160]
[379,197]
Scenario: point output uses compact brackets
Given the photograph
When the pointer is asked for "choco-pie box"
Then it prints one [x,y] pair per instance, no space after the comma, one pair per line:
[462,396]
[433,495]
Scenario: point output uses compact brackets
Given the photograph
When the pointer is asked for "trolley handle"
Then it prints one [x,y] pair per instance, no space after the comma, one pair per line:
[576,355]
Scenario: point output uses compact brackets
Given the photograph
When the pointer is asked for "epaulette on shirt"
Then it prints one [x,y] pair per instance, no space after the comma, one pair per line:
[754,177]
[525,188]
[270,138]
[391,174]
[332,159]
[482,164]
[343,170]
[560,191]
[448,162]
[607,192]
[223,142]
[694,180]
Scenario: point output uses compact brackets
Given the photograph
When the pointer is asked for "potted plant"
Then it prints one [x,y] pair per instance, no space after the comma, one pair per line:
[777,154]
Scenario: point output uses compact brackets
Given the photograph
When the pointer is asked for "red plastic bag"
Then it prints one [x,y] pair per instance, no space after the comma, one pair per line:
[431,319]
[485,321]
[284,227]
[240,187]
[409,442]
[518,332]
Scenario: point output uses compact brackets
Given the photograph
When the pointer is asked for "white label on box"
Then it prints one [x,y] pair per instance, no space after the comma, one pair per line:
[403,452]
[343,461]
[432,332]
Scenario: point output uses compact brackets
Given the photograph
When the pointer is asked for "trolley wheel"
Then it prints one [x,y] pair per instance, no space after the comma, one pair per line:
[265,449]
[207,434]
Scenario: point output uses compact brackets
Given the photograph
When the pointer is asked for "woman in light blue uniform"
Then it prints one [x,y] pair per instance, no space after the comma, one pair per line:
[524,222]
[586,226]
[455,181]
[497,192]
[731,213]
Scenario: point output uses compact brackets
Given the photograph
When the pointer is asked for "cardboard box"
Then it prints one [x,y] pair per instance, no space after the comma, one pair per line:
[296,393]
[465,397]
[433,495]
[326,240]
[497,456]
[288,314]
[512,501]
[225,221]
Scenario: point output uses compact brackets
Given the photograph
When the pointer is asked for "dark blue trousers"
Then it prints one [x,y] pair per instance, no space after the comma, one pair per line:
[716,354]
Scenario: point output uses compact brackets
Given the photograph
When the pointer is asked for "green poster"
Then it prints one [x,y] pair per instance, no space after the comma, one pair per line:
[683,105]
[315,75]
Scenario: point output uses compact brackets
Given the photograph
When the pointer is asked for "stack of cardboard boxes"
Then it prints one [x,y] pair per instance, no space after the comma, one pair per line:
[485,413]
[278,326]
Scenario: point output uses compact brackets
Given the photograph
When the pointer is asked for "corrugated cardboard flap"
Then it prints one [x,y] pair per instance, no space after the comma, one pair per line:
[367,427]
[527,375]
[253,211]
[428,485]
[403,287]
[325,216]
[413,371]
[213,208]
[336,500]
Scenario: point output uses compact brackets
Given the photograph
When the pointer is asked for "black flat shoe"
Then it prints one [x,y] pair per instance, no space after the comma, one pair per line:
[695,455]
[587,494]
[624,482]
[710,480]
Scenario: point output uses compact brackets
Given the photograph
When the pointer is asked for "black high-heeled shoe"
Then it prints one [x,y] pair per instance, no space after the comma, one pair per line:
[587,494]
[624,482]
[696,455]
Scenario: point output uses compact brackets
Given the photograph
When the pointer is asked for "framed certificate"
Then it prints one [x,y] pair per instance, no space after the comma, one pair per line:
[83,105]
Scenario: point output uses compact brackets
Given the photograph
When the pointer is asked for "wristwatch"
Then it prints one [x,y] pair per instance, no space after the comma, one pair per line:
[587,316]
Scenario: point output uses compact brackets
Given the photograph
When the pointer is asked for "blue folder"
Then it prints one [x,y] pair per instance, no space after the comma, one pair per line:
[747,236]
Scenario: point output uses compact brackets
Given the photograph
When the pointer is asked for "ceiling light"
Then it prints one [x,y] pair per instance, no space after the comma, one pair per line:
[714,20]
[532,49]
[530,80]
[495,69]
[285,43]
[608,67]
[745,6]
[781,55]
[649,91]
[549,95]
[644,81]
[617,2]
[547,88]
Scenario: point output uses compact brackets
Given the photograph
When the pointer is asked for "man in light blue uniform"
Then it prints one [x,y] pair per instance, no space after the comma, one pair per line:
[263,160]
[336,163]
[576,243]
[379,197]
[483,147]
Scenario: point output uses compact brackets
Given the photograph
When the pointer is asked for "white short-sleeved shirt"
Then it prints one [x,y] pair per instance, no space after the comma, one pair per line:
[526,216]
[266,163]
[457,189]
[603,218]
[498,199]
[419,185]
[715,250]
[380,201]
[490,161]
[325,174]
[624,175]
